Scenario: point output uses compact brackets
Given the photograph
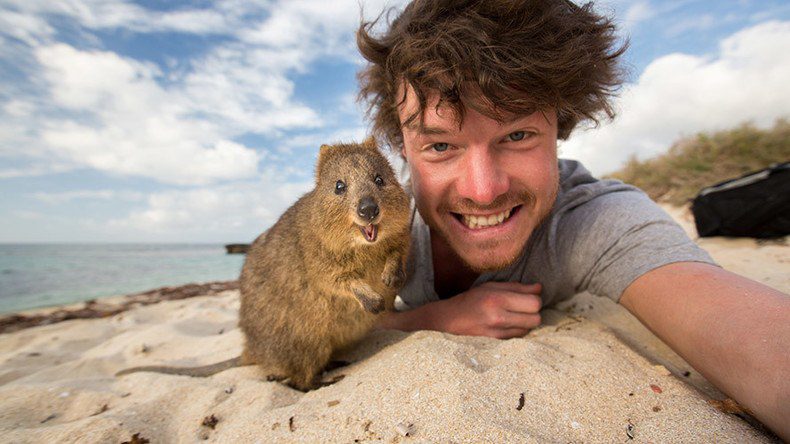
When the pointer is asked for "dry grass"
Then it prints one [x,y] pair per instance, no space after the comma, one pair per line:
[705,159]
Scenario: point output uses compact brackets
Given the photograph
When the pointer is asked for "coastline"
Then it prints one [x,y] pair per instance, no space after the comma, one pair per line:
[108,306]
[34,276]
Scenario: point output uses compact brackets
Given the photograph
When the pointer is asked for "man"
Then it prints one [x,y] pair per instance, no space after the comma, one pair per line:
[475,95]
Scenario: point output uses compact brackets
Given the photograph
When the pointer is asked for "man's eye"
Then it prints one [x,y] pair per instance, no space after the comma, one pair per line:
[440,147]
[340,187]
[517,135]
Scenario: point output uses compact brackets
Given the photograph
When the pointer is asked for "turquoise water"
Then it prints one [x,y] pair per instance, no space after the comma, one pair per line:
[40,275]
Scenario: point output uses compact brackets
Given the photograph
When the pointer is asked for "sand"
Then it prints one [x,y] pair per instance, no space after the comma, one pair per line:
[591,373]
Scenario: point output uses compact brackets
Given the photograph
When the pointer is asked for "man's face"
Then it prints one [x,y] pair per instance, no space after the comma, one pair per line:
[482,188]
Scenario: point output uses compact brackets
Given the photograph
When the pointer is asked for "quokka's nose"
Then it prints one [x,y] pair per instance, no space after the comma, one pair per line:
[368,209]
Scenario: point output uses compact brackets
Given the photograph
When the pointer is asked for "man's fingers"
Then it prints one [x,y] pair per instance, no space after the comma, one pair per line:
[515,287]
[510,319]
[511,296]
[521,303]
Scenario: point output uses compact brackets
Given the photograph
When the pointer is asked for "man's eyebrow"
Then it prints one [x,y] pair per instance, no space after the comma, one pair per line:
[513,119]
[426,130]
[516,117]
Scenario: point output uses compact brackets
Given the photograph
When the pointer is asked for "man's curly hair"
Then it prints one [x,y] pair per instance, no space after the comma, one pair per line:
[499,57]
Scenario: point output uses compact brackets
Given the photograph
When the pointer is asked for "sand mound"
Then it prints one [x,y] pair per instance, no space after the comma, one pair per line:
[571,380]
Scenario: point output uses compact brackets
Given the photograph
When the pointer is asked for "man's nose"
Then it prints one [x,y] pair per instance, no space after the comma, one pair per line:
[482,178]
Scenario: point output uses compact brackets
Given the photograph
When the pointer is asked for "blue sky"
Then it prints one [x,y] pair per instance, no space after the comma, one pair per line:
[177,121]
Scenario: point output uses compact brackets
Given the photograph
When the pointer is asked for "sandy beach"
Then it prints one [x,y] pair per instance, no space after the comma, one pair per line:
[591,373]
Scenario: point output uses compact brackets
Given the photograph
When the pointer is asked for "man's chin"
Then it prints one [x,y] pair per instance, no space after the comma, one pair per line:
[485,256]
[483,261]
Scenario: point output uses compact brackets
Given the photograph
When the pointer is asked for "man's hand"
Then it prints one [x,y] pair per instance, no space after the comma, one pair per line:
[496,309]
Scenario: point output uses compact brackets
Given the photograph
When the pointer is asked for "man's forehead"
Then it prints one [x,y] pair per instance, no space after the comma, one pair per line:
[434,121]
[443,118]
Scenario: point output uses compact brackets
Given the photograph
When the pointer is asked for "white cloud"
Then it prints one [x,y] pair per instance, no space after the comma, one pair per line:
[27,215]
[696,23]
[128,124]
[295,24]
[87,80]
[107,14]
[281,24]
[24,27]
[679,95]
[19,108]
[69,196]
[102,110]
[220,213]
[770,12]
[639,11]
[247,90]
[39,169]
[312,141]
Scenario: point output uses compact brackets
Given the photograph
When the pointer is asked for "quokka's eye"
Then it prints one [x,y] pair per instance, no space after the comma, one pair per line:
[379,181]
[340,187]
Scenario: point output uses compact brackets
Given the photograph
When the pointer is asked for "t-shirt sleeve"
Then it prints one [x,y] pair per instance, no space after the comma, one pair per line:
[612,239]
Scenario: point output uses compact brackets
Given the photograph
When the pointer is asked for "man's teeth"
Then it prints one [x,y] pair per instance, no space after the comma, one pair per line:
[486,221]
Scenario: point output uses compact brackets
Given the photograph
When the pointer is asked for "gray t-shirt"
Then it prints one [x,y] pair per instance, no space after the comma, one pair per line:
[600,236]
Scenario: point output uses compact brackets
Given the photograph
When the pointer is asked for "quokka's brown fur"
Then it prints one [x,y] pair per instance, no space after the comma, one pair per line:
[314,282]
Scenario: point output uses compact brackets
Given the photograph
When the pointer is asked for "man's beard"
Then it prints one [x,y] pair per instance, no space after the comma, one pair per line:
[526,199]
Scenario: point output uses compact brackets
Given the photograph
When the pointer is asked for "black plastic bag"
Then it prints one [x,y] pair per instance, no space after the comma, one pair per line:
[756,204]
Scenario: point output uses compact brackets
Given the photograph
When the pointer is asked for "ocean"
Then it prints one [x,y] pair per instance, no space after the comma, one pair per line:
[41,275]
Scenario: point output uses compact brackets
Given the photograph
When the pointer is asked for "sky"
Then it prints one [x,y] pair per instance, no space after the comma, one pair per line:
[200,121]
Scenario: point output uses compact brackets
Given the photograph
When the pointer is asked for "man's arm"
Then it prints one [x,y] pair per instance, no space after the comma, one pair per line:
[734,331]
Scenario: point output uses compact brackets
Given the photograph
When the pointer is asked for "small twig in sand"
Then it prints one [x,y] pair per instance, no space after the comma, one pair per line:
[52,416]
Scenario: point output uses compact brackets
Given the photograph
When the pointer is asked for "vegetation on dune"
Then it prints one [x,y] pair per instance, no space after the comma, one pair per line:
[705,159]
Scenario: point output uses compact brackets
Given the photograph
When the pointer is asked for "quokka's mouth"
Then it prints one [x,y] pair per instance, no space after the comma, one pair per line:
[370,232]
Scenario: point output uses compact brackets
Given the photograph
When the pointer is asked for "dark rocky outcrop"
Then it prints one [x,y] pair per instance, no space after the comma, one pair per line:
[237,248]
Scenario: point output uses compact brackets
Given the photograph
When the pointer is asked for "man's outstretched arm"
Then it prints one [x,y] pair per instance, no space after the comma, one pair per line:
[734,331]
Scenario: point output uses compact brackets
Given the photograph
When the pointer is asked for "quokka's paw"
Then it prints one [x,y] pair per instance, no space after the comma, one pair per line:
[275,378]
[372,302]
[393,278]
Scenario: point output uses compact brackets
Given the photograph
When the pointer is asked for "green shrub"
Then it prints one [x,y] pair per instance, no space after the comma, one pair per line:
[705,159]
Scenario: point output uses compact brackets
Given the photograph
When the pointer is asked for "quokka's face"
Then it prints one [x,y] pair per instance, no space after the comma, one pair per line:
[360,188]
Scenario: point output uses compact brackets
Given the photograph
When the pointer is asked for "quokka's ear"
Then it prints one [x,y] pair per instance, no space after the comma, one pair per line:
[323,154]
[324,150]
[370,143]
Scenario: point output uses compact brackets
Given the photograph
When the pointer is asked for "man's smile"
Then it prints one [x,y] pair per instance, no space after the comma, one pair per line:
[487,220]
